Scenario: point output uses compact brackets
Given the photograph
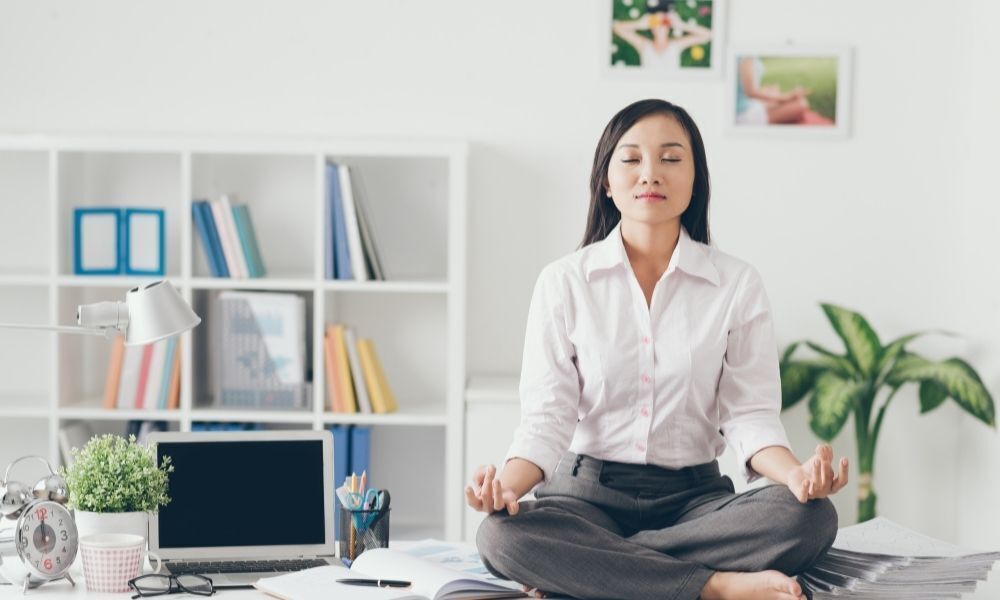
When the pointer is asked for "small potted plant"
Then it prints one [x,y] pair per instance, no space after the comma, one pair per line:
[114,484]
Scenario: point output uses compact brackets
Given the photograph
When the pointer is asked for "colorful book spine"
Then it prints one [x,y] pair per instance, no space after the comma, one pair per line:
[248,240]
[341,463]
[360,389]
[360,452]
[167,369]
[358,266]
[211,242]
[343,364]
[129,382]
[226,209]
[342,255]
[228,242]
[382,398]
[174,401]
[333,391]
[114,372]
[154,382]
[140,390]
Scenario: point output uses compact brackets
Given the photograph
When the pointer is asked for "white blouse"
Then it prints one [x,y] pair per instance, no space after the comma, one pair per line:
[667,385]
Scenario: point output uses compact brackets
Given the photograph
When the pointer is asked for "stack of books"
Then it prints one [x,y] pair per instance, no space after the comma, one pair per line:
[356,382]
[349,238]
[260,349]
[228,238]
[879,559]
[146,377]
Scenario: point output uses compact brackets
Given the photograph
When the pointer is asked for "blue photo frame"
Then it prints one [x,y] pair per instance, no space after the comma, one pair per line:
[96,241]
[143,246]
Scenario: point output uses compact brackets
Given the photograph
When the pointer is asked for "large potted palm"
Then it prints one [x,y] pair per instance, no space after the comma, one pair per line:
[840,385]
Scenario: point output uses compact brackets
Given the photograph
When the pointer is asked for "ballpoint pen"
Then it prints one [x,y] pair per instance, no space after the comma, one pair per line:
[396,583]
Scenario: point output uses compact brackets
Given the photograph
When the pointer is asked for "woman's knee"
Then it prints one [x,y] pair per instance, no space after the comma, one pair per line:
[496,539]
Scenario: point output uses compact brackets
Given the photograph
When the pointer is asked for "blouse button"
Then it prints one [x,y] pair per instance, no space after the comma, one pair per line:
[646,379]
[644,412]
[640,446]
[645,339]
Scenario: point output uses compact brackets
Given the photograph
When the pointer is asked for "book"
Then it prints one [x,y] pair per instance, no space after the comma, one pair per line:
[361,436]
[210,241]
[167,372]
[73,435]
[341,254]
[248,239]
[429,580]
[140,389]
[129,381]
[341,463]
[382,398]
[334,394]
[360,390]
[114,372]
[372,257]
[261,357]
[351,224]
[174,397]
[343,366]
[154,381]
[226,202]
[227,237]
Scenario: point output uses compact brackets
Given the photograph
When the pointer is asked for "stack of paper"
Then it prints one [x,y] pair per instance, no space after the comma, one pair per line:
[881,560]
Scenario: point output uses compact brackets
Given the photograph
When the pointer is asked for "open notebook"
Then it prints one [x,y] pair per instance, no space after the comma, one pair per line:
[430,580]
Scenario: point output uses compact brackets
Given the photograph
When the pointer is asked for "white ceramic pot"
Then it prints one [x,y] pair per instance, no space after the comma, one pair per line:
[128,522]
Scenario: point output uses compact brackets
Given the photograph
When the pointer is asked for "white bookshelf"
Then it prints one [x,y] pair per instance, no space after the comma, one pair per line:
[416,195]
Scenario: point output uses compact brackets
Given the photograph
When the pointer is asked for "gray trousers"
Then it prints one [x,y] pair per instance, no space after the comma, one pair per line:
[611,530]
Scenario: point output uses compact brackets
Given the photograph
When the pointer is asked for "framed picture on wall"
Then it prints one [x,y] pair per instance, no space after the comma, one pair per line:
[789,91]
[662,39]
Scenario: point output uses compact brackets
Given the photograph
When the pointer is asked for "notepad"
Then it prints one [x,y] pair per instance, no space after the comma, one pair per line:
[429,581]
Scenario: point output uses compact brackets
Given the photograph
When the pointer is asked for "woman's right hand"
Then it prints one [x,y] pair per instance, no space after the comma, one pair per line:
[487,495]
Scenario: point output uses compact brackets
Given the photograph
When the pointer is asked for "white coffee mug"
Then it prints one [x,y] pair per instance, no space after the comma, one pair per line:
[110,560]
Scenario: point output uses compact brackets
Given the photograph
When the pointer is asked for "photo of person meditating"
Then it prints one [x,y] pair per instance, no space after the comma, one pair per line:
[646,352]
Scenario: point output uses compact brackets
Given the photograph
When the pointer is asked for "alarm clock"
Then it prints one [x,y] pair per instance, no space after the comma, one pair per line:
[43,543]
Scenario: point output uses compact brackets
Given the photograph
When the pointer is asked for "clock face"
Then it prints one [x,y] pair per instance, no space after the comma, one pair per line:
[47,538]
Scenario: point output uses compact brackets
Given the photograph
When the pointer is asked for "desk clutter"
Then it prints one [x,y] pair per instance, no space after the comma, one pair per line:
[364,518]
[879,559]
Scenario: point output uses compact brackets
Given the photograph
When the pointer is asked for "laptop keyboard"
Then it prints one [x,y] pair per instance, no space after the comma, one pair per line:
[243,566]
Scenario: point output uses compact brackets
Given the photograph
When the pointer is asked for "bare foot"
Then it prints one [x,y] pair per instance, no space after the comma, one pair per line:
[534,592]
[765,585]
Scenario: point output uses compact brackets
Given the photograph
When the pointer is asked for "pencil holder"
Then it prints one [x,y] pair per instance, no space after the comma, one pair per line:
[362,530]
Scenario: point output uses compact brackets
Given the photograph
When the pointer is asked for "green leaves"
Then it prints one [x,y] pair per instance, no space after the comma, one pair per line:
[954,376]
[832,401]
[797,380]
[112,474]
[863,347]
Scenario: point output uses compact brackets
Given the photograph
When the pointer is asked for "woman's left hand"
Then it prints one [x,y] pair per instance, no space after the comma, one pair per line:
[815,478]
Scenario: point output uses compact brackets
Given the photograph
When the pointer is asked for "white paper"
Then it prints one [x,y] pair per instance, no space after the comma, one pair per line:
[98,241]
[144,242]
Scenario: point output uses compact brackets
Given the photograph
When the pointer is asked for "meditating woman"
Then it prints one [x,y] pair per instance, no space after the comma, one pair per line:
[646,351]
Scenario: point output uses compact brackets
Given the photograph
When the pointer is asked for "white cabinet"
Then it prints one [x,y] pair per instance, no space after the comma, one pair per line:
[416,197]
[492,412]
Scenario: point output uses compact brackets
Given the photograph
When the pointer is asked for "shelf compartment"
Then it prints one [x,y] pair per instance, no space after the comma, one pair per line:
[25,232]
[279,191]
[26,305]
[409,332]
[406,199]
[120,179]
[22,437]
[206,340]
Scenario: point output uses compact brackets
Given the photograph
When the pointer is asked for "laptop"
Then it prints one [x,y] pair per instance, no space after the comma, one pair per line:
[245,504]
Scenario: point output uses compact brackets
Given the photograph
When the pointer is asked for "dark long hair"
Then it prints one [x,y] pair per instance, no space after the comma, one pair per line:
[603,214]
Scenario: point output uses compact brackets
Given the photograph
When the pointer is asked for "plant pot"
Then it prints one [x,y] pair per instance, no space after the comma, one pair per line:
[126,522]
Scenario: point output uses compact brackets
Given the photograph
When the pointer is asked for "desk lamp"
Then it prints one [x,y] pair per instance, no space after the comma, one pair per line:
[150,313]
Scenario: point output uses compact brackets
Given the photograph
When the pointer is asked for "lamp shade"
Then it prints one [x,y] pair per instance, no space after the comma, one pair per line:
[156,311]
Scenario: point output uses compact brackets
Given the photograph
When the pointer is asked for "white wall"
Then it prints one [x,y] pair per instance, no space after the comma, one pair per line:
[894,222]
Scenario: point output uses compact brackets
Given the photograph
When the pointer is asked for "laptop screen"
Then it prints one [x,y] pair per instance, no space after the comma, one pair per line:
[243,493]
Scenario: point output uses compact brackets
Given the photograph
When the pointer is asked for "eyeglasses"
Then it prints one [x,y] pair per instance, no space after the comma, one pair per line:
[158,585]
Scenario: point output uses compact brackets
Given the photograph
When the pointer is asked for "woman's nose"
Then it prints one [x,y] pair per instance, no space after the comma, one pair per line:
[649,174]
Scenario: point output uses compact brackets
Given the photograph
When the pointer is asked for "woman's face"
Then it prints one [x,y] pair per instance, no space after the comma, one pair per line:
[651,173]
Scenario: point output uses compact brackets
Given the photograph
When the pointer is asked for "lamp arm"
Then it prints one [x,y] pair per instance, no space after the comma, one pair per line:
[107,332]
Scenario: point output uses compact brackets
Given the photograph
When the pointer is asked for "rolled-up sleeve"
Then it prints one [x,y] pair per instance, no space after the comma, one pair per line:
[550,383]
[749,389]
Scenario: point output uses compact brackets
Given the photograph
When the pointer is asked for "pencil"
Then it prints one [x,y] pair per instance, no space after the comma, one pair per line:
[364,477]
